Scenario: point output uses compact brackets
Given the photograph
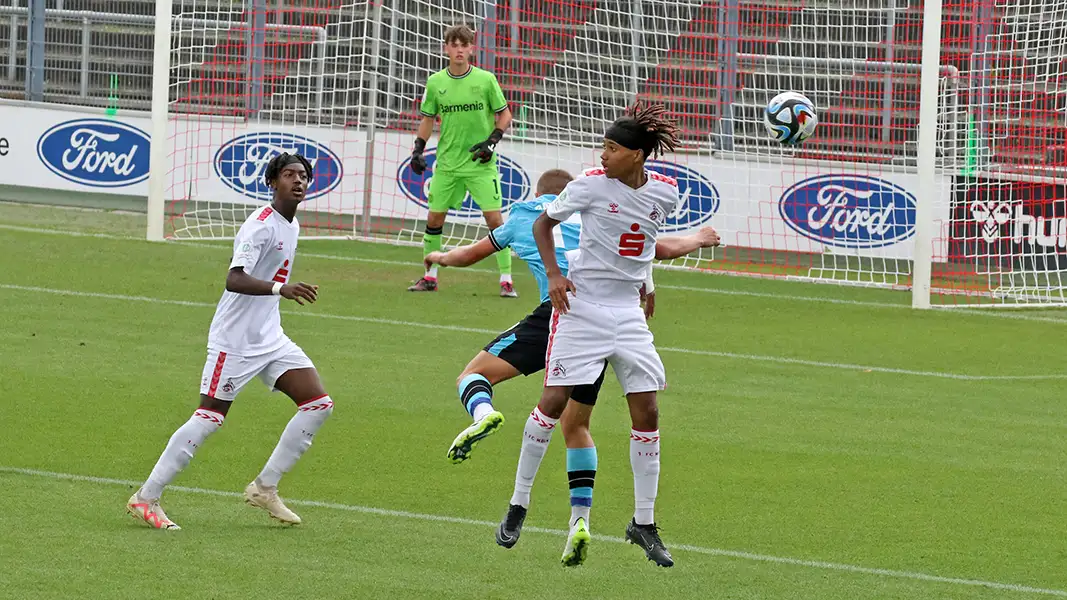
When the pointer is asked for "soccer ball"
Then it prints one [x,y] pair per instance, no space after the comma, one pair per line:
[790,118]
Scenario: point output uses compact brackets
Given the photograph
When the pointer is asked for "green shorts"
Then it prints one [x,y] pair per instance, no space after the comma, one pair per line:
[447,190]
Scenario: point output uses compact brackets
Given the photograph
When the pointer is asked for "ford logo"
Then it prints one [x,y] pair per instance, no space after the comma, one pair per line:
[96,152]
[241,162]
[514,183]
[699,198]
[849,211]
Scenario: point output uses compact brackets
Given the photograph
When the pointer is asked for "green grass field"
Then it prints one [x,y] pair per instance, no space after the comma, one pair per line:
[818,441]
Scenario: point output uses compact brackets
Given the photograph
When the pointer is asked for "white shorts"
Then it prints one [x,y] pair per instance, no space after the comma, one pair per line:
[580,341]
[225,374]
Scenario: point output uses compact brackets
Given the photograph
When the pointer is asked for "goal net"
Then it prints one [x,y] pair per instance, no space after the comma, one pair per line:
[341,83]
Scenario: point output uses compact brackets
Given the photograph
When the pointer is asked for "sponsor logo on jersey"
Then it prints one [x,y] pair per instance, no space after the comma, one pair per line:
[613,208]
[444,109]
[96,152]
[241,162]
[849,211]
[514,183]
[699,197]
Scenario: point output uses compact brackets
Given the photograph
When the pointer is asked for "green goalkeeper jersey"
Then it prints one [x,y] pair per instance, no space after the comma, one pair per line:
[467,106]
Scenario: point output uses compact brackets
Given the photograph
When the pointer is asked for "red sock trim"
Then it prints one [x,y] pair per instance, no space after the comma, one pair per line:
[312,400]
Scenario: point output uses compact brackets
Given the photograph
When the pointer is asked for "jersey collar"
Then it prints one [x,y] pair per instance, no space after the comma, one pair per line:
[469,69]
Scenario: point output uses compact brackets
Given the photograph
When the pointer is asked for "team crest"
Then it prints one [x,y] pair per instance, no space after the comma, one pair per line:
[228,386]
[558,370]
[654,215]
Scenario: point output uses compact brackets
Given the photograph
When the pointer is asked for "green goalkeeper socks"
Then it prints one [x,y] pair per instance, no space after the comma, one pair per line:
[431,242]
[503,261]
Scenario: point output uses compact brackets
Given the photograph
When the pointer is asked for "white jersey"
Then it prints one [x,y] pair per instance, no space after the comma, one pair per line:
[619,230]
[245,325]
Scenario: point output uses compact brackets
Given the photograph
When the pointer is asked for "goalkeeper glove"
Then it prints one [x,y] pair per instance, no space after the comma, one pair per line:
[483,151]
[418,163]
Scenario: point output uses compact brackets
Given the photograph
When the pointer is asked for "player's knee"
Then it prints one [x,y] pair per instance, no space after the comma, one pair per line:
[573,428]
[553,401]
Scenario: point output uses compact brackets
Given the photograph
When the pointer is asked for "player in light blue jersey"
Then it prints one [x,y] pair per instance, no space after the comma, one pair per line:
[522,348]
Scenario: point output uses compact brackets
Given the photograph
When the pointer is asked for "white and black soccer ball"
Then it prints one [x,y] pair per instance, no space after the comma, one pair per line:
[790,118]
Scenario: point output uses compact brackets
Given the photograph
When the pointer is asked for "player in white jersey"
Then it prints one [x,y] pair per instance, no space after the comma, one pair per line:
[246,340]
[521,350]
[596,315]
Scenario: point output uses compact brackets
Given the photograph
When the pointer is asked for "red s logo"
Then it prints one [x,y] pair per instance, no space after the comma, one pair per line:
[632,244]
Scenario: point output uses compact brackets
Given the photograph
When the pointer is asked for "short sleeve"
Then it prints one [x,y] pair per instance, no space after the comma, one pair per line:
[502,236]
[496,96]
[576,197]
[429,101]
[252,240]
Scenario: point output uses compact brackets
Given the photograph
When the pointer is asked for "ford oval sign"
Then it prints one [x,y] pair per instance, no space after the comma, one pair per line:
[849,211]
[699,198]
[96,152]
[242,161]
[514,183]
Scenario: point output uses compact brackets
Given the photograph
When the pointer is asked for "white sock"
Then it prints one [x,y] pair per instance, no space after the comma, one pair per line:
[481,410]
[296,439]
[644,460]
[179,451]
[535,438]
[431,273]
[505,278]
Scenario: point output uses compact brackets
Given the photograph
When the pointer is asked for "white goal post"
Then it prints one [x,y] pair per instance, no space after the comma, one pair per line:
[939,165]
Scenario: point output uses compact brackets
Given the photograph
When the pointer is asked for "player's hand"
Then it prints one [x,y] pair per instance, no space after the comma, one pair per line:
[708,237]
[558,286]
[483,151]
[299,292]
[418,163]
[650,304]
[433,258]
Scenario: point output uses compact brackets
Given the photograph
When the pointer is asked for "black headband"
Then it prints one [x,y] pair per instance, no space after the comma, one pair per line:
[628,133]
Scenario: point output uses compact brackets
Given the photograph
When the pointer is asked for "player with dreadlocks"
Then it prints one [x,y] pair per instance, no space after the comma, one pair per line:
[597,317]
[245,341]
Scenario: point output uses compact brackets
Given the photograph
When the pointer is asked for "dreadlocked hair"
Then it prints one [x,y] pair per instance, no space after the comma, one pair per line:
[276,164]
[654,120]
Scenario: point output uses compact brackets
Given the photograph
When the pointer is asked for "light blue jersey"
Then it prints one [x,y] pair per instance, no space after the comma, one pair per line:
[517,233]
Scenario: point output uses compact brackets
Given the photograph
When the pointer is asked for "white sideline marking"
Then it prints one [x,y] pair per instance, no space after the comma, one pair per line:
[704,290]
[402,514]
[730,355]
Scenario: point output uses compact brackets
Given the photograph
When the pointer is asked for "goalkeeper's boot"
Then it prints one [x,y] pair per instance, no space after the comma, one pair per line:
[507,535]
[150,512]
[424,285]
[647,536]
[267,498]
[577,544]
[467,439]
[507,290]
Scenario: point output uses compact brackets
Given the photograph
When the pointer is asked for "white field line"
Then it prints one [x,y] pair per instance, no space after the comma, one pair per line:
[402,514]
[704,290]
[782,360]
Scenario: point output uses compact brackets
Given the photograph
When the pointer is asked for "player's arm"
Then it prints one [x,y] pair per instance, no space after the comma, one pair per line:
[678,246]
[428,109]
[239,282]
[483,151]
[576,197]
[558,285]
[251,243]
[463,256]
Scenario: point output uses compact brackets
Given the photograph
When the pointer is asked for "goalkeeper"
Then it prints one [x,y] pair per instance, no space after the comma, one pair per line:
[474,116]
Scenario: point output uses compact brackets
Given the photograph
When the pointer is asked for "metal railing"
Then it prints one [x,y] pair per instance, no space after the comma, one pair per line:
[88,18]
